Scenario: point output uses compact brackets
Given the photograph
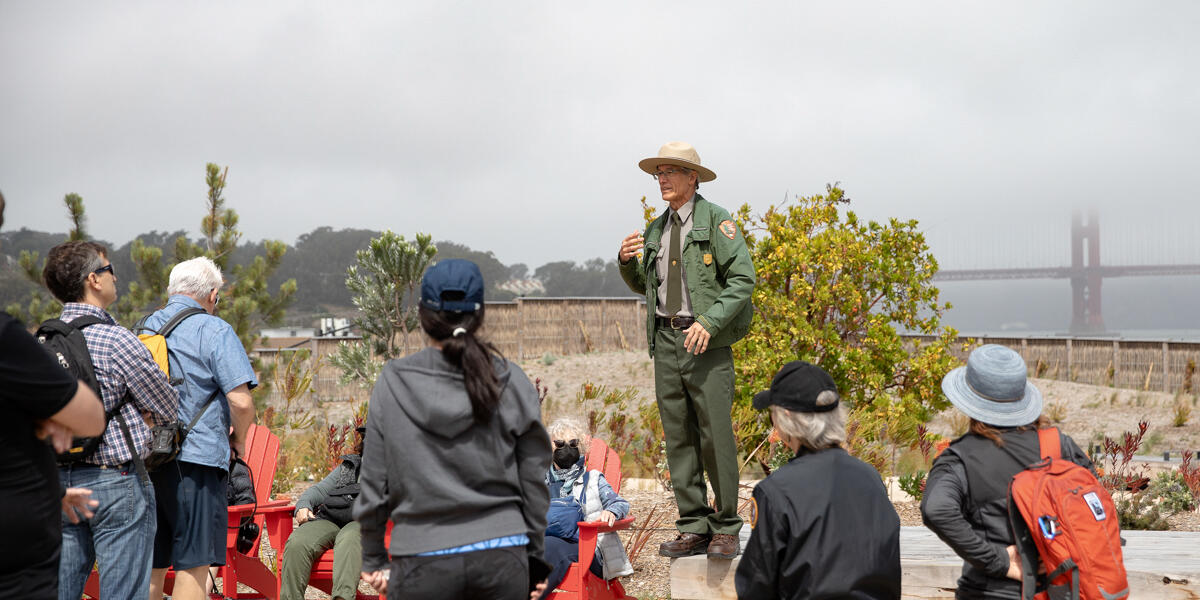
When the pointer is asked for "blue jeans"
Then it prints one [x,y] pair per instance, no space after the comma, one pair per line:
[119,539]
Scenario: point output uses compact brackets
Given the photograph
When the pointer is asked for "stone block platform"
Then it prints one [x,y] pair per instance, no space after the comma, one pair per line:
[1161,564]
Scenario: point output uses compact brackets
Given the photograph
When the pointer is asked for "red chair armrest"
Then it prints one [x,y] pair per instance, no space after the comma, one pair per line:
[600,527]
[276,506]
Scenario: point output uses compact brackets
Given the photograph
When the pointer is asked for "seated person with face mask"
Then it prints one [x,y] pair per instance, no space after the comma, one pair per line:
[568,478]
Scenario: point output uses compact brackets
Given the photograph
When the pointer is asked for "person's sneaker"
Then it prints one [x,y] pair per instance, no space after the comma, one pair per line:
[684,544]
[723,546]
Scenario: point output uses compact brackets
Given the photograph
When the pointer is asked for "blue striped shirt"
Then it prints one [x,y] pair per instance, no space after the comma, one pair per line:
[123,363]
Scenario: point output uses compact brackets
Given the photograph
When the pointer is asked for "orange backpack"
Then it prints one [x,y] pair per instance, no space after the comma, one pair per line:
[1066,526]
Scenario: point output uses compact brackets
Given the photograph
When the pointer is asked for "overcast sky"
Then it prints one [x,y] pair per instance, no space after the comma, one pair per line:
[516,126]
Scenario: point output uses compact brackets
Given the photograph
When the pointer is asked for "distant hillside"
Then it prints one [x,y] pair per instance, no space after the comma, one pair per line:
[318,261]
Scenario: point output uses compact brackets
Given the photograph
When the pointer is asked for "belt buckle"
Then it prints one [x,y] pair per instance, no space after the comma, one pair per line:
[675,323]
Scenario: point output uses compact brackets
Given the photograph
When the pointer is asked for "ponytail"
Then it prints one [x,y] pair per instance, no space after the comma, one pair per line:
[460,346]
[983,429]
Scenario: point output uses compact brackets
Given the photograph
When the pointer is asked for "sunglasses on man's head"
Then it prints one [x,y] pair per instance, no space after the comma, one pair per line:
[574,443]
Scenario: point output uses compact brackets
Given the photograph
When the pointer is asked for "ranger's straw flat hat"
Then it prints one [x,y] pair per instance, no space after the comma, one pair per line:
[993,388]
[680,154]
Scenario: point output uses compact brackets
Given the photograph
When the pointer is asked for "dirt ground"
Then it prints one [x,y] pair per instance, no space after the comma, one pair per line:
[1086,413]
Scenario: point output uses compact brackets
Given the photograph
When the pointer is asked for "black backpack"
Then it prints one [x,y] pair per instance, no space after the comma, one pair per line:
[65,342]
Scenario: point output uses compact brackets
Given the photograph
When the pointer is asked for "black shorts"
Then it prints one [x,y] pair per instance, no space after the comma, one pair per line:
[192,516]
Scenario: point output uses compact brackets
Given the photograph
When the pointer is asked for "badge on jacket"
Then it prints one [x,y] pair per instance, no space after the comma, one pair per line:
[707,259]
[728,228]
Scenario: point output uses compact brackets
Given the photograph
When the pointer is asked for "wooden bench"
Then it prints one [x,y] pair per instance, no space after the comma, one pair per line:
[1160,564]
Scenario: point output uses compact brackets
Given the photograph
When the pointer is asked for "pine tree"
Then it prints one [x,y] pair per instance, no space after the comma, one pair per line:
[384,288]
[247,304]
[44,306]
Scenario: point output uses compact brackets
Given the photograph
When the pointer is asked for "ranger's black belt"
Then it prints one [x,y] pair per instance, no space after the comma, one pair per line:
[675,322]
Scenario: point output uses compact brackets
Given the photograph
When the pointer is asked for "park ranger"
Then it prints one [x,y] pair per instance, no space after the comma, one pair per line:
[697,276]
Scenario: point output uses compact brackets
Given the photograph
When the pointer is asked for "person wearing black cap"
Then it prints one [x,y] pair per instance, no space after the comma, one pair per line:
[823,525]
[457,459]
[323,515]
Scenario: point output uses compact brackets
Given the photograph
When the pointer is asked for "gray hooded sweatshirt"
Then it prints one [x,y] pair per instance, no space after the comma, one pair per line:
[442,479]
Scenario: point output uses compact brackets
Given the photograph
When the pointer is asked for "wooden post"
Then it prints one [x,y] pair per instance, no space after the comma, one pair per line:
[520,329]
[587,340]
[621,332]
[566,334]
[603,305]
[1116,363]
[1166,370]
[1070,362]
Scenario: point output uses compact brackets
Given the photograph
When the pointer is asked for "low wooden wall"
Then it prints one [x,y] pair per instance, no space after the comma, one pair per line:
[524,329]
[532,327]
[1134,364]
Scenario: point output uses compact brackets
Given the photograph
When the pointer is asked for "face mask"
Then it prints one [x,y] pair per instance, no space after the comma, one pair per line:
[566,457]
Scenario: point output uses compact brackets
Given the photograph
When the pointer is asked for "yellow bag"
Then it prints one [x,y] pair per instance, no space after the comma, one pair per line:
[156,341]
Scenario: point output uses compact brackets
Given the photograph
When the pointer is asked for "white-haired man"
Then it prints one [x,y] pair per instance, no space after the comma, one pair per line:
[823,525]
[216,379]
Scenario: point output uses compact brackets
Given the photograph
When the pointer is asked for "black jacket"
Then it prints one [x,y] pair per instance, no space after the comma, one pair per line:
[966,504]
[823,528]
[240,487]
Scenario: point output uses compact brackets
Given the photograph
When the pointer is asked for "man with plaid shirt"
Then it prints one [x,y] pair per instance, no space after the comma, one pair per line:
[119,538]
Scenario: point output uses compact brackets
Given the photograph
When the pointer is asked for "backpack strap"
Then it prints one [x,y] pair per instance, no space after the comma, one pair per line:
[141,324]
[64,328]
[199,414]
[1048,443]
[138,464]
[86,320]
[174,321]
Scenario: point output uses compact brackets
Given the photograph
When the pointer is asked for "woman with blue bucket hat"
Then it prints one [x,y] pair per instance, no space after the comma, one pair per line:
[966,495]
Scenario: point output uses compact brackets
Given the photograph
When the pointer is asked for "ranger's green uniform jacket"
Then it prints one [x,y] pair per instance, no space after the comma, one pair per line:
[719,273]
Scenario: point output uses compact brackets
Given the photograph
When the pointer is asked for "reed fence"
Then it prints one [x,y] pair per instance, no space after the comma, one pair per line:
[1149,365]
[522,329]
[533,327]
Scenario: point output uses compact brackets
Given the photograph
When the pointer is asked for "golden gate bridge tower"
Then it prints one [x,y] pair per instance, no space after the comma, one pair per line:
[1085,273]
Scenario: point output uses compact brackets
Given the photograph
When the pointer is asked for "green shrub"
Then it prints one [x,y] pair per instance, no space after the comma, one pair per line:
[1139,512]
[548,359]
[913,485]
[1172,492]
[1182,413]
[780,455]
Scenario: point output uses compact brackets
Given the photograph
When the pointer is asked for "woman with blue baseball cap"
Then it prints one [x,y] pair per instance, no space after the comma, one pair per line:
[966,495]
[456,457]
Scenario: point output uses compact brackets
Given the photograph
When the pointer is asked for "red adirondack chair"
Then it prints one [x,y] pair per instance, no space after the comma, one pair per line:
[580,583]
[262,455]
[279,518]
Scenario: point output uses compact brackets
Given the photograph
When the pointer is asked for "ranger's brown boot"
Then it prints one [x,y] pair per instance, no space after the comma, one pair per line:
[684,544]
[723,546]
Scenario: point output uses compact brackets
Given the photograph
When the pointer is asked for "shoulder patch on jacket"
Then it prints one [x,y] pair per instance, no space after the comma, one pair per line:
[753,512]
[728,228]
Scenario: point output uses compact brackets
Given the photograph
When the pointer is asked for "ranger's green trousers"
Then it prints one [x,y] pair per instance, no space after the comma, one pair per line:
[305,546]
[695,395]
